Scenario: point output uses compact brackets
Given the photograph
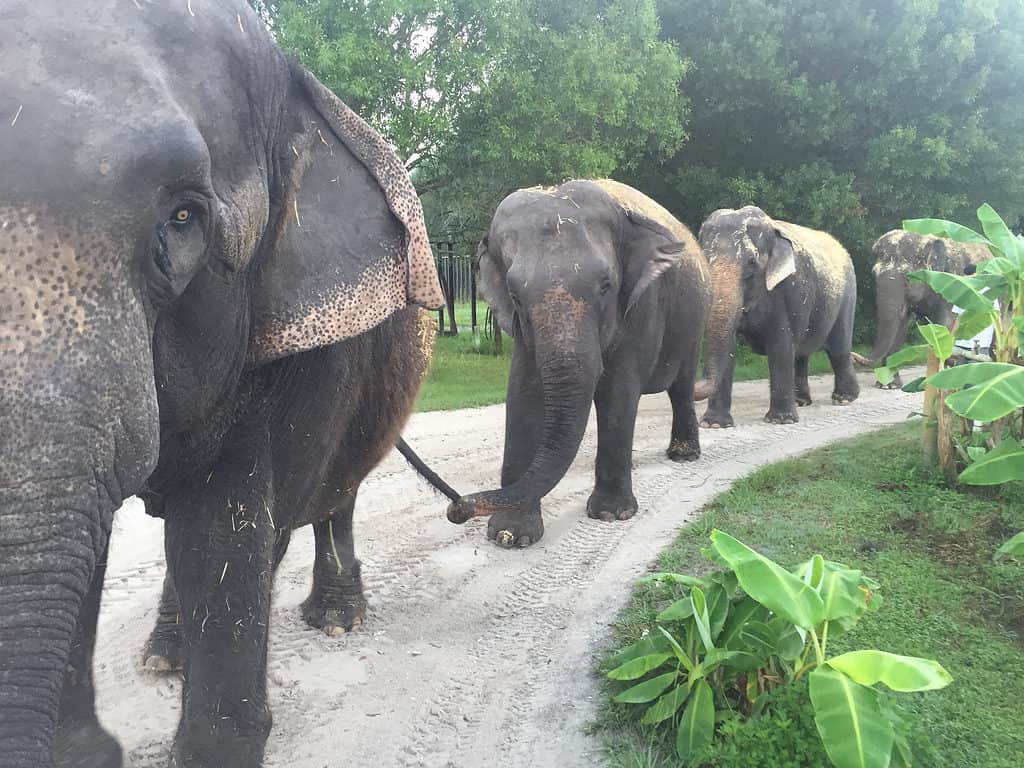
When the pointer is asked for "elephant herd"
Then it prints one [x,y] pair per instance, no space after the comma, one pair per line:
[211,275]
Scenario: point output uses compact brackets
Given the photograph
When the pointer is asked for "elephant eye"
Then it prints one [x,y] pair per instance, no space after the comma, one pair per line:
[606,285]
[182,215]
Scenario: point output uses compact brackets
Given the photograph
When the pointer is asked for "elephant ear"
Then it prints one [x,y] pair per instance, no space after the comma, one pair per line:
[781,261]
[346,244]
[655,250]
[493,285]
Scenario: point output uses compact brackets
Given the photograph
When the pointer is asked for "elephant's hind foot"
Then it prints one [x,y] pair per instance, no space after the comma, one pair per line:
[717,421]
[86,745]
[336,604]
[683,450]
[610,507]
[163,652]
[843,398]
[781,417]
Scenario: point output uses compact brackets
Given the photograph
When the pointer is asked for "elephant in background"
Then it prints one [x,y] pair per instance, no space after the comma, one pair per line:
[788,291]
[605,295]
[899,300]
[208,267]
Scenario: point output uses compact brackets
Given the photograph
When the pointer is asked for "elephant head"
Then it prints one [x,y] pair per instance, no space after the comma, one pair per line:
[899,300]
[749,257]
[179,204]
[562,269]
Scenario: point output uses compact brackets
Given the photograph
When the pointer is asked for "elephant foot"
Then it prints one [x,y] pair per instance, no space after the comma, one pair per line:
[163,653]
[803,399]
[683,450]
[781,417]
[223,752]
[510,530]
[611,507]
[717,420]
[336,605]
[896,383]
[841,398]
[86,745]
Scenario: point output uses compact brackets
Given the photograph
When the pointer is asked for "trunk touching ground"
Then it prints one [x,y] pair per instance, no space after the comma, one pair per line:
[720,336]
[47,557]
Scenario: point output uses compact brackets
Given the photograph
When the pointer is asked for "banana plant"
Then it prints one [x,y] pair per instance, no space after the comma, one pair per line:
[738,632]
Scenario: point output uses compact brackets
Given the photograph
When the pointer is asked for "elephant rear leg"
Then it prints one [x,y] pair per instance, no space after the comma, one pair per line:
[336,604]
[803,387]
[685,442]
[163,652]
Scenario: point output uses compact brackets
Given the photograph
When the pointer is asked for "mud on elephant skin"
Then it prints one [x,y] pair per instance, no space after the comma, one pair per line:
[207,264]
[787,291]
[899,301]
[605,295]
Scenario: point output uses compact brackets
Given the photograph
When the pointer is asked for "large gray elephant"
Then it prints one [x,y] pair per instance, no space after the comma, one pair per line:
[207,263]
[899,300]
[788,291]
[606,296]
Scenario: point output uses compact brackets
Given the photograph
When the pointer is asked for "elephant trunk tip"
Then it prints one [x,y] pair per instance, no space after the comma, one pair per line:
[702,390]
[465,508]
[862,361]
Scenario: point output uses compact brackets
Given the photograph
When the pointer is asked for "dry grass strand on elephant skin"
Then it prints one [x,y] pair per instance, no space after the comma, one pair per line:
[334,547]
[17,115]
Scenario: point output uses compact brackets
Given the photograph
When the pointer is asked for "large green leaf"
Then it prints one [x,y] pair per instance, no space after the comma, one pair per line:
[961,291]
[747,610]
[789,643]
[697,725]
[851,726]
[1013,548]
[700,617]
[648,690]
[943,228]
[673,578]
[938,338]
[677,649]
[667,705]
[970,324]
[997,389]
[718,609]
[770,584]
[653,643]
[637,668]
[679,610]
[999,234]
[900,673]
[1002,464]
[907,355]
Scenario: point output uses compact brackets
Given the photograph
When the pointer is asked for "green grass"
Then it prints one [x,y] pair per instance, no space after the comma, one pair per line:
[869,504]
[463,375]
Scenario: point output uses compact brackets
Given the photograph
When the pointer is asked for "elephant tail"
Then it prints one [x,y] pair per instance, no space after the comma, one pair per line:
[426,472]
[862,361]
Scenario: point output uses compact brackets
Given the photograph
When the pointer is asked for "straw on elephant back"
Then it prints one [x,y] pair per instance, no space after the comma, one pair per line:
[833,262]
[905,252]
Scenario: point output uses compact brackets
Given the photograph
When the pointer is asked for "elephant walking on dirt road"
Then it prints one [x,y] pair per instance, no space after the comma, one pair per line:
[788,291]
[605,295]
[899,300]
[207,271]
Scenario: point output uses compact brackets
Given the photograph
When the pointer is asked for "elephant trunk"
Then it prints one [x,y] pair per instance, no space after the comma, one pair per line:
[569,364]
[893,317]
[720,335]
[49,541]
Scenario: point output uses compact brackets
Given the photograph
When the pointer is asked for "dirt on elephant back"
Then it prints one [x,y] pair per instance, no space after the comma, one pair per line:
[471,656]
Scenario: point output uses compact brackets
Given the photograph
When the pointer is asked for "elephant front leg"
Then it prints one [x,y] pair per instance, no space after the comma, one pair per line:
[81,741]
[782,374]
[336,604]
[685,442]
[719,411]
[613,497]
[524,425]
[220,550]
[163,650]
[803,386]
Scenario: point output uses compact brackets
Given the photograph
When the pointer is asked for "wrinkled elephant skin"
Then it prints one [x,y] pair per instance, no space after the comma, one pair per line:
[208,264]
[605,295]
[787,291]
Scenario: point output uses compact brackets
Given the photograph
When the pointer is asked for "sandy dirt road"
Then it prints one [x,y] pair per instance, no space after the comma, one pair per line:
[471,656]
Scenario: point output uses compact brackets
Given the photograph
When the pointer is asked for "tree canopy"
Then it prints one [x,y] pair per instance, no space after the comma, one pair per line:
[848,116]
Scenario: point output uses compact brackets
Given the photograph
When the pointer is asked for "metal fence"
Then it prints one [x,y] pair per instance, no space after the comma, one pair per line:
[458,282]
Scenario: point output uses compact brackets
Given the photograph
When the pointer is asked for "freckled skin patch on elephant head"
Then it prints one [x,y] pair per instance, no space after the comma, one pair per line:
[558,317]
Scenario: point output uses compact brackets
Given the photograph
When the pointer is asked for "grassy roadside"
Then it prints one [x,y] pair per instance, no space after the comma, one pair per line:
[869,504]
[463,375]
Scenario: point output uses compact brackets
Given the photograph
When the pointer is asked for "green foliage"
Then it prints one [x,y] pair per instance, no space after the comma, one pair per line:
[872,504]
[720,644]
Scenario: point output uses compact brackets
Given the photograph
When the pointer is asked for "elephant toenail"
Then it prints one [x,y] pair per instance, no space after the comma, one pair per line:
[505,538]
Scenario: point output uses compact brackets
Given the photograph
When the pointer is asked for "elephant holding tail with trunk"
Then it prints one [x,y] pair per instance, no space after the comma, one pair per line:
[787,291]
[899,300]
[209,268]
[605,295]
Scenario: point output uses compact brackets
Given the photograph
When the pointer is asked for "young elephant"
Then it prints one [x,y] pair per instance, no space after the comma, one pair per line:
[788,291]
[207,267]
[606,296]
[899,300]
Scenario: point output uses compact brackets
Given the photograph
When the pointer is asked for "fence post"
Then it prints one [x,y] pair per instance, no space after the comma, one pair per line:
[450,293]
[472,303]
